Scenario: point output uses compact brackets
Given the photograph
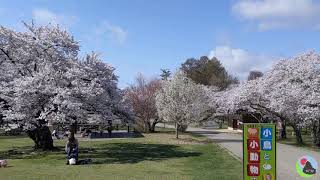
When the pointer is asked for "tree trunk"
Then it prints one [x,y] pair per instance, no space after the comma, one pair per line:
[177,130]
[284,129]
[297,131]
[149,126]
[182,128]
[73,128]
[110,128]
[42,138]
[318,138]
[220,124]
[316,133]
[146,127]
[153,126]
[110,133]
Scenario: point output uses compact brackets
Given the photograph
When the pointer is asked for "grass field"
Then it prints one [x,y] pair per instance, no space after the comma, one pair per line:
[154,156]
[306,136]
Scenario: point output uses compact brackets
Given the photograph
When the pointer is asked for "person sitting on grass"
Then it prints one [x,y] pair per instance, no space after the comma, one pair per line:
[55,134]
[72,148]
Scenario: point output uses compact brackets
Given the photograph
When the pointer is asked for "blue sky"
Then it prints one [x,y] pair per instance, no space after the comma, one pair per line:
[146,35]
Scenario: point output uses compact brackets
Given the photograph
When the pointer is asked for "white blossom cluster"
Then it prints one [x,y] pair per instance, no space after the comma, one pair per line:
[181,100]
[43,79]
[290,90]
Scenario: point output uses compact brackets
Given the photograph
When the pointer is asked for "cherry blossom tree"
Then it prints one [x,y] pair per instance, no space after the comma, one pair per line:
[44,81]
[141,96]
[295,92]
[289,91]
[182,101]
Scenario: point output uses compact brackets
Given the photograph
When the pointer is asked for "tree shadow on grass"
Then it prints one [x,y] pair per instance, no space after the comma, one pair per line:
[28,152]
[122,153]
[115,134]
[110,153]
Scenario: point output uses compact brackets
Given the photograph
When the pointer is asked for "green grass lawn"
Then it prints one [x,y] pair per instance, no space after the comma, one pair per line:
[154,156]
[306,136]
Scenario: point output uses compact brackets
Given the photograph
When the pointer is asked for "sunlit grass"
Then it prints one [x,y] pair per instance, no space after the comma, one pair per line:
[154,156]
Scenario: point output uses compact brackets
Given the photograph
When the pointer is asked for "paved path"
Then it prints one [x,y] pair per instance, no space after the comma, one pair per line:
[286,155]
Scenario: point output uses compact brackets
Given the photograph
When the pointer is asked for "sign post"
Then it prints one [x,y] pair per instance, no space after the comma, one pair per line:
[259,151]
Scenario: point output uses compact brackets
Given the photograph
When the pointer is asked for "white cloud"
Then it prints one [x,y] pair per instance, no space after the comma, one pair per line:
[111,31]
[271,14]
[239,62]
[45,16]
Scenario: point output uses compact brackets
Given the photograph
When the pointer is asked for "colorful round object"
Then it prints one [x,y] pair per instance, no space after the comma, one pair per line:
[306,166]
